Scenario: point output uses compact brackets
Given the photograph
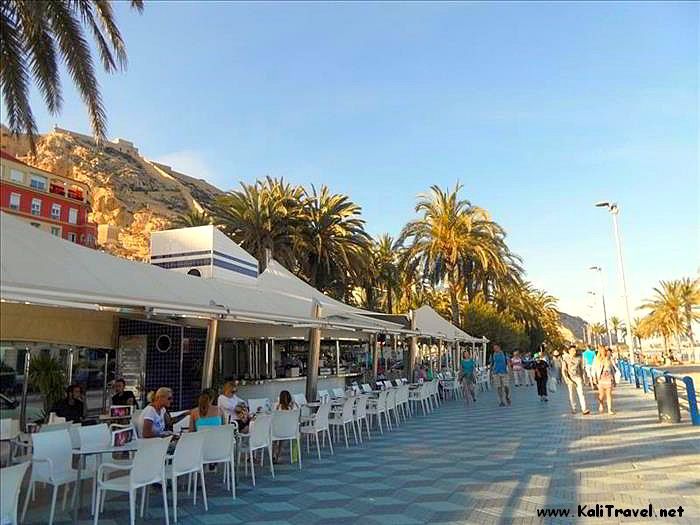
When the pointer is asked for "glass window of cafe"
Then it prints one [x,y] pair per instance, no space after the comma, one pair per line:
[91,368]
[246,359]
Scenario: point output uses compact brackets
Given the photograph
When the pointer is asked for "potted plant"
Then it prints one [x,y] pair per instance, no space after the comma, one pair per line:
[48,376]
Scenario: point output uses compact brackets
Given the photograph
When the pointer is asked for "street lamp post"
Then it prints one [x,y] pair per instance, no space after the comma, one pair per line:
[602,296]
[614,210]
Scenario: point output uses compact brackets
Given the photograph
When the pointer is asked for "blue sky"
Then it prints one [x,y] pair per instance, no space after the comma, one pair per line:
[539,109]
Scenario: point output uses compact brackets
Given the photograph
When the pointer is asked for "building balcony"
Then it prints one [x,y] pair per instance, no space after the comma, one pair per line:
[57,189]
[75,194]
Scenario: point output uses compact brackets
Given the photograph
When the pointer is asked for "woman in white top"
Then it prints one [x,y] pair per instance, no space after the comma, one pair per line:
[153,416]
[228,401]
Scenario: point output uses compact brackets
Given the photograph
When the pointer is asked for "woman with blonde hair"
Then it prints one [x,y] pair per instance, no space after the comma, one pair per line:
[604,371]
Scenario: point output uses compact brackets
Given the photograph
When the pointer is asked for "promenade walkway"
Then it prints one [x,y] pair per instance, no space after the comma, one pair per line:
[483,464]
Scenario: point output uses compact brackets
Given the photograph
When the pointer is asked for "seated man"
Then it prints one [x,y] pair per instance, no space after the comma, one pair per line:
[71,407]
[121,395]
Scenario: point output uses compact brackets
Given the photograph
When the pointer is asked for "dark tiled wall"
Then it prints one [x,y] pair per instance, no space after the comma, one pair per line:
[164,368]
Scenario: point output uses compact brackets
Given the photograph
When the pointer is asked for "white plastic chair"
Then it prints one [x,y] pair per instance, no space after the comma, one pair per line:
[94,436]
[51,427]
[343,417]
[9,432]
[52,463]
[258,404]
[187,459]
[300,399]
[258,438]
[402,401]
[377,407]
[9,491]
[318,424]
[285,427]
[391,406]
[53,419]
[148,468]
[338,393]
[366,388]
[183,425]
[361,415]
[323,396]
[220,447]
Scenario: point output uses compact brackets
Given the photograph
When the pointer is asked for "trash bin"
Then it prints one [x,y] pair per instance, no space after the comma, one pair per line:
[667,400]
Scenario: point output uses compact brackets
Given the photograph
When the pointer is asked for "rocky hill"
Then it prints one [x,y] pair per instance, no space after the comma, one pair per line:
[575,325]
[131,196]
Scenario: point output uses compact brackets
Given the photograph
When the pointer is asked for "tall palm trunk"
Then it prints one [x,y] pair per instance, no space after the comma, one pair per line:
[454,289]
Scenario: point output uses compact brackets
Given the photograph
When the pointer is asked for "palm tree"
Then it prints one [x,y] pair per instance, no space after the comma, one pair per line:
[450,242]
[386,264]
[262,216]
[191,219]
[37,37]
[616,324]
[598,331]
[689,293]
[330,241]
[673,310]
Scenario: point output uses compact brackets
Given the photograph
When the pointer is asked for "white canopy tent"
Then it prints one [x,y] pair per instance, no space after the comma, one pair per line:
[432,324]
[38,268]
[276,278]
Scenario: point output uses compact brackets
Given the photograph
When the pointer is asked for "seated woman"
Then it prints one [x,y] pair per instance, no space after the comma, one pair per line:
[286,402]
[205,414]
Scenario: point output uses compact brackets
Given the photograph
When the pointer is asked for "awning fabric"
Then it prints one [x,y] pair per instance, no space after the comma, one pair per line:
[280,280]
[39,268]
[429,322]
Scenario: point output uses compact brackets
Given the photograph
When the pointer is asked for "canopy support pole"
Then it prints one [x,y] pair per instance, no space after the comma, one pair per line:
[375,356]
[412,351]
[314,355]
[337,357]
[209,352]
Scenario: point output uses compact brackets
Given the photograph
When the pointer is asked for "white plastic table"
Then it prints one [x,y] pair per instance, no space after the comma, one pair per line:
[82,453]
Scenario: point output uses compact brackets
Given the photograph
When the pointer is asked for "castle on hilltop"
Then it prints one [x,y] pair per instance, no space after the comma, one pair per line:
[121,145]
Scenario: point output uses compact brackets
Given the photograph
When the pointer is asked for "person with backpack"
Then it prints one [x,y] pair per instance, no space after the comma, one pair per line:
[540,367]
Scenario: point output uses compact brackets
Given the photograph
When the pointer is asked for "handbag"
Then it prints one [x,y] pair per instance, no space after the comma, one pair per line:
[552,384]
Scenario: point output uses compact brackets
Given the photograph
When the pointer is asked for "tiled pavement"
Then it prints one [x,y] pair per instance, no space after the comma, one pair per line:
[481,464]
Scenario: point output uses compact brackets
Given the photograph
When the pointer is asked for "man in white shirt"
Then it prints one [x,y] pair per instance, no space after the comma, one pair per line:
[154,415]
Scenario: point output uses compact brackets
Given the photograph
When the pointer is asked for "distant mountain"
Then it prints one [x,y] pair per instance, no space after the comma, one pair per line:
[575,325]
[131,196]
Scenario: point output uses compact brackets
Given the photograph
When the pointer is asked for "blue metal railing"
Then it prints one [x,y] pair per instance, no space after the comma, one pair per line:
[644,377]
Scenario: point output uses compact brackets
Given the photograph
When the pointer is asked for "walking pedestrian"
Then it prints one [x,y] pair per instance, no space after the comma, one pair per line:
[468,368]
[588,359]
[540,367]
[556,366]
[604,372]
[572,374]
[519,372]
[500,369]
[529,366]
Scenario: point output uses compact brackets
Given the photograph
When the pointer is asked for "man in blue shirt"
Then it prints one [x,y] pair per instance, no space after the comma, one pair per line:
[588,359]
[500,365]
